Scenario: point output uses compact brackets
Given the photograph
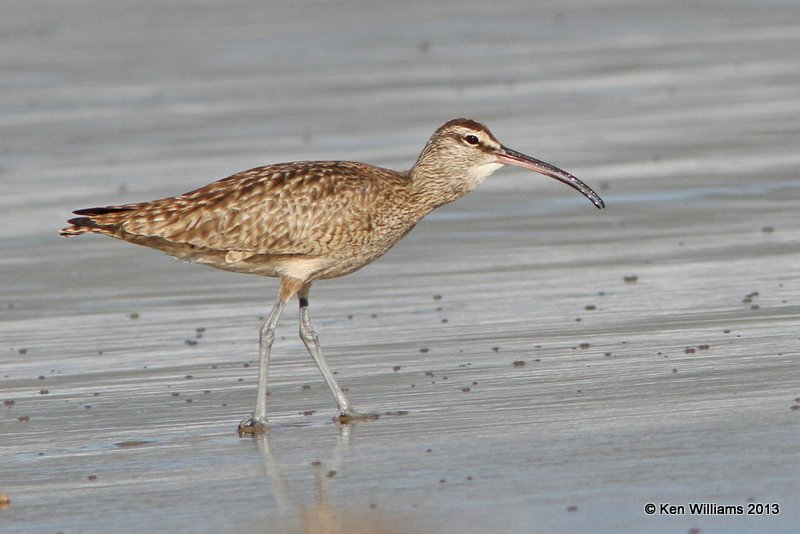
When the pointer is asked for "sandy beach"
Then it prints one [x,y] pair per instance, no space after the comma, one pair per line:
[539,365]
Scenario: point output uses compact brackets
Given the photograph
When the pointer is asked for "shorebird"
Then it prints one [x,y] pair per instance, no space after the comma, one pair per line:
[311,220]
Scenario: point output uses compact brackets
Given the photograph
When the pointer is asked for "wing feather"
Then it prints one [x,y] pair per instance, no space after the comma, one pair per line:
[307,208]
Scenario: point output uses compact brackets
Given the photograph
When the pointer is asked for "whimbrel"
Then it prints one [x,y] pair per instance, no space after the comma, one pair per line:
[311,220]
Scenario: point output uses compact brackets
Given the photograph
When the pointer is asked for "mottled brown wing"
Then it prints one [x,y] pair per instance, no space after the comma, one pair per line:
[300,208]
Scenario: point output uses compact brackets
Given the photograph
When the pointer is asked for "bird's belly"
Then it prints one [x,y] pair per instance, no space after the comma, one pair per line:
[297,266]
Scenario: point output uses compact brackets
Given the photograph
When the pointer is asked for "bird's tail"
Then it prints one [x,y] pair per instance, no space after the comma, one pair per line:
[96,220]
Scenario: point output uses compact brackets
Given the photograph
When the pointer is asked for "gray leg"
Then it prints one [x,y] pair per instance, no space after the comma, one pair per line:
[311,341]
[258,419]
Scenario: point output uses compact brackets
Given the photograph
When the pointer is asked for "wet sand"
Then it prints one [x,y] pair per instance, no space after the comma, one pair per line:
[541,366]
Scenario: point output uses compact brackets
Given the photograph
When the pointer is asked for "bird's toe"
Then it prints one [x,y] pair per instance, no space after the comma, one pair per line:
[351,416]
[252,425]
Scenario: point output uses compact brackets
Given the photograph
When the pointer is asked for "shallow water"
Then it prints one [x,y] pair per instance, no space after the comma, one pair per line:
[678,387]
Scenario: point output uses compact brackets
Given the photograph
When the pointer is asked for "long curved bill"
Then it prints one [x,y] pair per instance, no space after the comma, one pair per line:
[506,156]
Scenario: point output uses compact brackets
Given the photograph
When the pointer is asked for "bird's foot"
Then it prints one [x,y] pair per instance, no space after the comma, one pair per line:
[252,425]
[352,416]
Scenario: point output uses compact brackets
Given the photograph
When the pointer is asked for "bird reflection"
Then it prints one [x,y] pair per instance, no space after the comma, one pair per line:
[323,516]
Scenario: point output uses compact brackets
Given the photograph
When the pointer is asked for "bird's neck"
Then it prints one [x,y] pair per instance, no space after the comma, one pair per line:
[437,184]
[435,187]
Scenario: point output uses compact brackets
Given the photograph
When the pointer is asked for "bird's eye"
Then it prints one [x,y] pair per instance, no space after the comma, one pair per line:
[472,139]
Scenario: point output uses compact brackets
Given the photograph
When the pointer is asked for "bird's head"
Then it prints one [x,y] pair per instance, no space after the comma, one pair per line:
[467,152]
